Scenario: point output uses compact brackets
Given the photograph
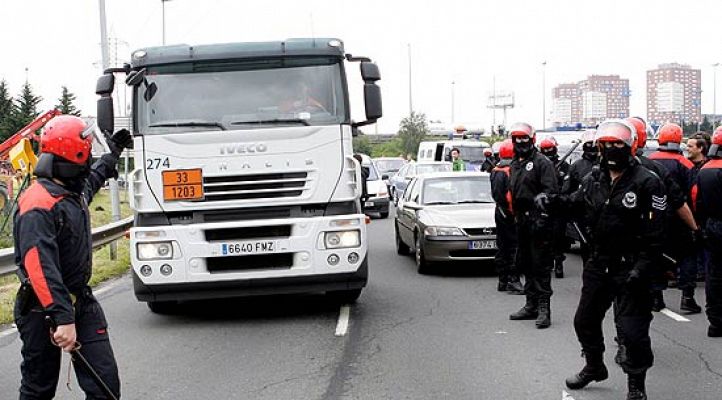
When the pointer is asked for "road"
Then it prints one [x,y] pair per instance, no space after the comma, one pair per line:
[409,337]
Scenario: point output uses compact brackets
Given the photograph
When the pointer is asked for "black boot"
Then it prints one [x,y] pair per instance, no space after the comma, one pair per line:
[658,301]
[559,268]
[688,304]
[714,331]
[621,355]
[514,286]
[529,311]
[501,286]
[635,385]
[544,319]
[593,371]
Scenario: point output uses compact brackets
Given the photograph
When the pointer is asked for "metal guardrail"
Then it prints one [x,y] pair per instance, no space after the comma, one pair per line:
[102,235]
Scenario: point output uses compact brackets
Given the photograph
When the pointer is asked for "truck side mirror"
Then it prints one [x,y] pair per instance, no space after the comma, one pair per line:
[105,85]
[370,72]
[372,102]
[105,114]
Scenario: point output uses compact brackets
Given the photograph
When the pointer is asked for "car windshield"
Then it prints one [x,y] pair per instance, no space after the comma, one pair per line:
[429,168]
[389,165]
[471,189]
[244,94]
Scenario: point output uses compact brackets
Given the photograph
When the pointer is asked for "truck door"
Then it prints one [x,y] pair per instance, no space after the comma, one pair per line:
[439,155]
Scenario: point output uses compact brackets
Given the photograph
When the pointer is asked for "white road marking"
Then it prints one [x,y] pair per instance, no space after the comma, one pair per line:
[343,317]
[673,315]
[566,396]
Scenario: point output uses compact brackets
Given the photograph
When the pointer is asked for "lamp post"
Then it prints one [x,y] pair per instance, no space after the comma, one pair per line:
[714,95]
[453,106]
[162,2]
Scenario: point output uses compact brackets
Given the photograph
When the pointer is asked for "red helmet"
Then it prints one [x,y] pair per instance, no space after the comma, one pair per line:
[669,137]
[716,148]
[522,129]
[69,137]
[617,130]
[506,150]
[487,152]
[548,143]
[641,127]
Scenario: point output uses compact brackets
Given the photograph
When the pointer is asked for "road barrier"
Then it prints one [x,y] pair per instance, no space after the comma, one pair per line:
[102,235]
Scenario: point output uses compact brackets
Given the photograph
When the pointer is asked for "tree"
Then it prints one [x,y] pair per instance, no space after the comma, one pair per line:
[706,126]
[24,110]
[362,144]
[65,103]
[412,131]
[6,107]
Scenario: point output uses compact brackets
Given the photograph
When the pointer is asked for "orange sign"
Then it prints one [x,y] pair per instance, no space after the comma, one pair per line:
[183,184]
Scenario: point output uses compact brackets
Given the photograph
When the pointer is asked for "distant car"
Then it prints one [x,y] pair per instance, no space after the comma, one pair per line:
[398,182]
[388,166]
[446,217]
[378,200]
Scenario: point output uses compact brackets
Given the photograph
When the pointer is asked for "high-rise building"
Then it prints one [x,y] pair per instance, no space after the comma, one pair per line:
[592,100]
[674,94]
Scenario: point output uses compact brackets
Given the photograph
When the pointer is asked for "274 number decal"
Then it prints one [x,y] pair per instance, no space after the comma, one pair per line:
[156,163]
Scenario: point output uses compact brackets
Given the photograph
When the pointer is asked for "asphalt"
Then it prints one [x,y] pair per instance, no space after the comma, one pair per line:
[410,336]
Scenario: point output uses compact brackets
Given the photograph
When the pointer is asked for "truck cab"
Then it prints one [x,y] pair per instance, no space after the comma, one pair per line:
[244,180]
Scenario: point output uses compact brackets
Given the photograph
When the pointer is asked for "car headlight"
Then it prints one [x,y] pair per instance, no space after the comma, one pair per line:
[442,231]
[155,251]
[342,239]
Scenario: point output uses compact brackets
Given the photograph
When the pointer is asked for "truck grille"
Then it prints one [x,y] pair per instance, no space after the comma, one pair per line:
[255,186]
[251,232]
[248,263]
[480,231]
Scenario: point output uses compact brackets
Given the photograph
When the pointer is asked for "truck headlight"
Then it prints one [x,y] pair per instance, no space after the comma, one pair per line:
[155,251]
[342,239]
[442,231]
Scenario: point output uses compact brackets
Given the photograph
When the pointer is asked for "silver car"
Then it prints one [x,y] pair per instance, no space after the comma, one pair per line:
[446,217]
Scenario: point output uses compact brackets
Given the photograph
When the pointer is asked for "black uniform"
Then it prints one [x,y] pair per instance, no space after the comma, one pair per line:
[561,243]
[708,205]
[627,220]
[488,164]
[53,249]
[534,257]
[577,171]
[505,229]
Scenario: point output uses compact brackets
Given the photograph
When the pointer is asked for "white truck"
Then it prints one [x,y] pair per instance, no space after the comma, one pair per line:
[244,180]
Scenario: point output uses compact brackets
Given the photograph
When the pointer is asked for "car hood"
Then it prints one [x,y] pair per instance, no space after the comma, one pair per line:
[375,187]
[459,215]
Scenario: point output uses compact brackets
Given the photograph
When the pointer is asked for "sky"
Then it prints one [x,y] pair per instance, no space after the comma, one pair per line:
[52,43]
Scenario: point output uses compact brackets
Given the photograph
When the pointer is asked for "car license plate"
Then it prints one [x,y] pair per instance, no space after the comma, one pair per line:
[183,184]
[368,204]
[482,244]
[250,247]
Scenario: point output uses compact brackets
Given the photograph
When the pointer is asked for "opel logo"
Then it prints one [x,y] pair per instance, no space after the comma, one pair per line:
[244,148]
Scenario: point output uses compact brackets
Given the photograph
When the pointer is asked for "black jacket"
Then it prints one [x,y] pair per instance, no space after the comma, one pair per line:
[53,244]
[500,190]
[562,169]
[708,192]
[529,177]
[626,218]
[577,171]
[678,166]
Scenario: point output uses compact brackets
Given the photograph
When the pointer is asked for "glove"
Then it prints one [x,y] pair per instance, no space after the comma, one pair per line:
[541,202]
[119,141]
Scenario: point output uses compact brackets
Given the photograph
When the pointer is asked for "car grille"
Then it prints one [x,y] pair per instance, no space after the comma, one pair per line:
[256,186]
[249,263]
[480,231]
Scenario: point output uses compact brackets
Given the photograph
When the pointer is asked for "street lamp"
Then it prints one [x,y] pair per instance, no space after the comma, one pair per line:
[544,97]
[714,95]
[162,2]
[453,107]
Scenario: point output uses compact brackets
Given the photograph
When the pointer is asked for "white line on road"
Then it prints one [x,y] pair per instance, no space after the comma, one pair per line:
[673,315]
[342,325]
[566,396]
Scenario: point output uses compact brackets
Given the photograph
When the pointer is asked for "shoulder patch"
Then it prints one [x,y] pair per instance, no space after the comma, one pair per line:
[529,166]
[659,202]
[36,197]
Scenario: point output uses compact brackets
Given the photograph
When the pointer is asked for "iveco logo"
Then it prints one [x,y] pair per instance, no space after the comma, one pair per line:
[244,148]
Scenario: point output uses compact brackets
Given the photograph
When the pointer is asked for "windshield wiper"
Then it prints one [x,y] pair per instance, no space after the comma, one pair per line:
[435,203]
[474,201]
[274,120]
[188,123]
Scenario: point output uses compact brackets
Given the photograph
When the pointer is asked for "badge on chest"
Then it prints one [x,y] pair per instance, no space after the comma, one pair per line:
[629,200]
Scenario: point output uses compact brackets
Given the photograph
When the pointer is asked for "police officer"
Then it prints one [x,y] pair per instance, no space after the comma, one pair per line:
[532,174]
[577,171]
[489,161]
[53,250]
[626,204]
[365,173]
[680,237]
[708,204]
[549,148]
[504,218]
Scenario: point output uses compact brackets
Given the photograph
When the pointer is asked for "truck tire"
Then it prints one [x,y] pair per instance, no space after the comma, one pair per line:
[163,307]
[344,296]
[384,215]
[4,198]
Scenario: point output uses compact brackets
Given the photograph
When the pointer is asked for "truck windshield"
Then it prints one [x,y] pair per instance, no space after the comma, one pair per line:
[242,95]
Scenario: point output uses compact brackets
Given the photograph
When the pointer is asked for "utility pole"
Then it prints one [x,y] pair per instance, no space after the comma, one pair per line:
[112,183]
[544,94]
[453,107]
[162,2]
[411,104]
[714,96]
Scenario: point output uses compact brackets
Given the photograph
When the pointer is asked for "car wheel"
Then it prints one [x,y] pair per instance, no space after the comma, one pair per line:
[421,264]
[344,296]
[384,215]
[163,307]
[401,247]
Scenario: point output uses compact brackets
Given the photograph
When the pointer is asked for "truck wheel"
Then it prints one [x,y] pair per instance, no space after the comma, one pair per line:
[401,248]
[344,296]
[384,215]
[163,307]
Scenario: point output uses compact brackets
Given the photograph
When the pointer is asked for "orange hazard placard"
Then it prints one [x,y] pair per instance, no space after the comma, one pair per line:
[183,184]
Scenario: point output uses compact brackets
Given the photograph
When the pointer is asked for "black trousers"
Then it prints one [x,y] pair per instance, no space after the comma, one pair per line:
[561,242]
[534,255]
[40,367]
[603,284]
[713,284]
[506,247]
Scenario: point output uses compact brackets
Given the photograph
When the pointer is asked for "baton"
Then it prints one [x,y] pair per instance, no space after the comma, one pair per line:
[672,260]
[568,153]
[80,360]
[579,232]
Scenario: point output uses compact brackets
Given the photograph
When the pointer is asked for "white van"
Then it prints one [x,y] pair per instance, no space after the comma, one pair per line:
[472,152]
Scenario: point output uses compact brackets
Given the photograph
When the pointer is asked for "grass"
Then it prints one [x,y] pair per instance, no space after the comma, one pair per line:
[103,267]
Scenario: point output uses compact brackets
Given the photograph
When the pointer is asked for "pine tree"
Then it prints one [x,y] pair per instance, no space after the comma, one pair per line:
[24,111]
[6,107]
[66,105]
